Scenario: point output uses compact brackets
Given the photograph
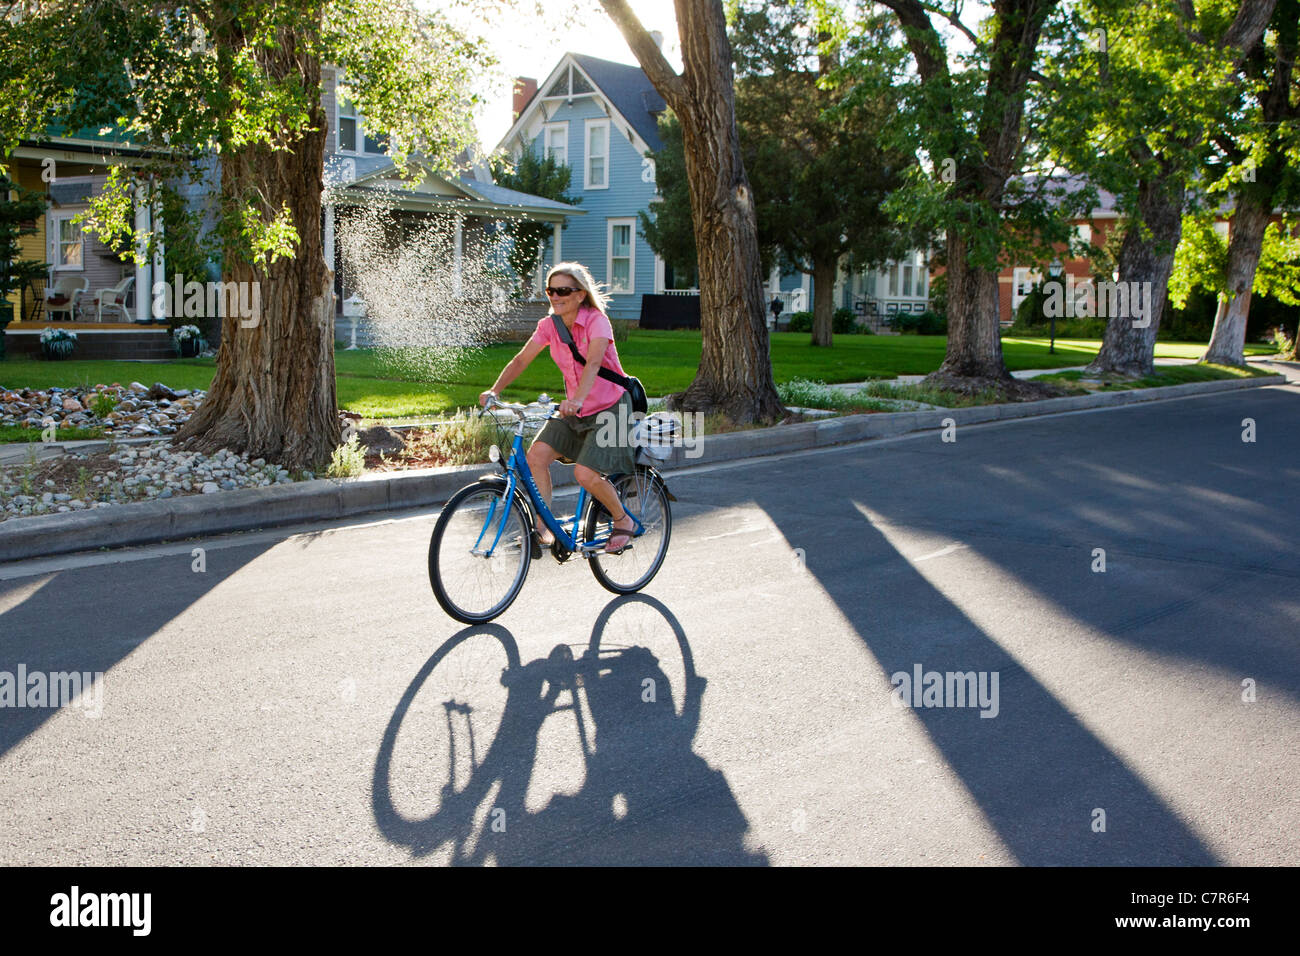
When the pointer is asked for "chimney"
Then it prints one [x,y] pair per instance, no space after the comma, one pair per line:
[525,89]
[658,37]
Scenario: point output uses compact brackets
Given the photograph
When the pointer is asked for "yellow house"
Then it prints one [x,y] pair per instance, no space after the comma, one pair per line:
[69,170]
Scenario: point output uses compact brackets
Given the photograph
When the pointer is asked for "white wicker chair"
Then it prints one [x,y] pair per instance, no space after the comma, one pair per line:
[65,295]
[114,298]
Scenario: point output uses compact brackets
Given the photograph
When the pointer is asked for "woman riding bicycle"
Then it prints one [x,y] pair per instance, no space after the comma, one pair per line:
[590,400]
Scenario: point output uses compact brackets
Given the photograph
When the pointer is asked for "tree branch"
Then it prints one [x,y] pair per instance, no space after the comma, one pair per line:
[1248,27]
[955,21]
[922,38]
[651,58]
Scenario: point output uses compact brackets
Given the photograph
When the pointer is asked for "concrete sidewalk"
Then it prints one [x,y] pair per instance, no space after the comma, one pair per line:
[246,509]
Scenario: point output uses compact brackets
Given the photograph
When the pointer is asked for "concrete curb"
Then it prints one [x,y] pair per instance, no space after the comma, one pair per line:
[149,522]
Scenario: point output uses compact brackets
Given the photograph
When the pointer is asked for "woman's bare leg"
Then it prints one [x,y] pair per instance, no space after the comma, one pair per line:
[540,458]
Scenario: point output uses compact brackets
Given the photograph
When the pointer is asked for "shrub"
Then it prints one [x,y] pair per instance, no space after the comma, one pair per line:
[907,322]
[348,460]
[844,322]
[932,323]
[805,393]
[464,439]
[103,404]
[801,322]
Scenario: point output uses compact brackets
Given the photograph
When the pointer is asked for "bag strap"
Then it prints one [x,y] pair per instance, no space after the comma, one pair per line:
[567,338]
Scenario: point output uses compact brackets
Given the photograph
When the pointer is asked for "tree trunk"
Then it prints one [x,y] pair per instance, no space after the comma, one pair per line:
[735,373]
[823,300]
[1228,340]
[273,394]
[974,341]
[1128,347]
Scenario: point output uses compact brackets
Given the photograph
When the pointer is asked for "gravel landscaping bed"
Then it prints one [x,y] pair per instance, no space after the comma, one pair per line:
[137,473]
[134,410]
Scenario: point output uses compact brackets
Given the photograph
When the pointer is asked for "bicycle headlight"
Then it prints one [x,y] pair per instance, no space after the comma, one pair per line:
[494,454]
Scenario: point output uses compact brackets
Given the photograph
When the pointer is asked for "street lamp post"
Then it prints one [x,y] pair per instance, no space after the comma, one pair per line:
[1055,269]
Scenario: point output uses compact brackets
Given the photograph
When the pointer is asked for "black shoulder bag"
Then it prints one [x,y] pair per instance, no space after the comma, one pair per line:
[640,403]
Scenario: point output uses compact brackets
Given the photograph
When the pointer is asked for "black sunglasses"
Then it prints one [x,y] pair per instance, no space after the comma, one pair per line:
[561,292]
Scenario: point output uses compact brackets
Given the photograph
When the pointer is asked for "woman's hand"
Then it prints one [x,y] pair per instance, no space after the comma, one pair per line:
[569,407]
[485,397]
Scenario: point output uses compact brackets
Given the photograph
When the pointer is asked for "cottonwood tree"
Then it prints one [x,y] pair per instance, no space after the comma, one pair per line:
[968,116]
[1136,114]
[1263,174]
[735,373]
[244,80]
[820,173]
[1233,270]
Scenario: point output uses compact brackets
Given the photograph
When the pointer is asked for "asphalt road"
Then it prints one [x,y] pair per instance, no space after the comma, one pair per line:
[303,700]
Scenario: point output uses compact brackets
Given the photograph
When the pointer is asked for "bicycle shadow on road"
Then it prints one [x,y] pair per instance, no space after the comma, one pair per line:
[481,753]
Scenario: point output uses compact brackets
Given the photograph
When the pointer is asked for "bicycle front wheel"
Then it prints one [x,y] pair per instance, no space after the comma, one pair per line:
[644,496]
[479,553]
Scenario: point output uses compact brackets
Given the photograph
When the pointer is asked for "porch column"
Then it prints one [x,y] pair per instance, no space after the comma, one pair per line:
[555,240]
[659,275]
[143,269]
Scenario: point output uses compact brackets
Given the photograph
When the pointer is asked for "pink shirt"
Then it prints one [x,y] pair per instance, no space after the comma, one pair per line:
[590,324]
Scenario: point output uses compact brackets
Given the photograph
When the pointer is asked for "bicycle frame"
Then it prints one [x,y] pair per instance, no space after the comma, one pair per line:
[516,467]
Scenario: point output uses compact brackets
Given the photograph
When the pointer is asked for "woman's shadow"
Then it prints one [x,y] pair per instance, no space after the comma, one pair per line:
[465,765]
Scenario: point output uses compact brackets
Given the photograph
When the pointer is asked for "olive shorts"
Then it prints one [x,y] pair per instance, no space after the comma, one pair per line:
[596,441]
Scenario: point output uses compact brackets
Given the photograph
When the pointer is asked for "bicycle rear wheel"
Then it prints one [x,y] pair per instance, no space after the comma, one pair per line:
[644,496]
[479,553]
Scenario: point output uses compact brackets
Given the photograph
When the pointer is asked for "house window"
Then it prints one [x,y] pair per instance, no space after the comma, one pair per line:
[622,255]
[907,278]
[1083,233]
[557,142]
[347,124]
[597,155]
[893,280]
[67,242]
[1023,282]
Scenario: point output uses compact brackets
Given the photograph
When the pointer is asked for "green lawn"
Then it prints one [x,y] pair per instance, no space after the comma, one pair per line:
[664,361]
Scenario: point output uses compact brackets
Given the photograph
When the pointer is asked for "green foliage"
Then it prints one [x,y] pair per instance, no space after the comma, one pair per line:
[668,226]
[102,405]
[953,111]
[348,460]
[239,78]
[844,322]
[19,209]
[1201,263]
[800,322]
[465,437]
[538,176]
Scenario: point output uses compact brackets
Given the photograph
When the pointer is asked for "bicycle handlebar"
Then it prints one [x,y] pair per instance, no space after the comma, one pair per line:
[519,410]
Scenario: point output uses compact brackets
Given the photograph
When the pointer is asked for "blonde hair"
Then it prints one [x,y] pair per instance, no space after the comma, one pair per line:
[596,296]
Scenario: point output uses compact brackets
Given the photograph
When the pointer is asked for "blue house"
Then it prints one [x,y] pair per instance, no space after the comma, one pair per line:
[601,118]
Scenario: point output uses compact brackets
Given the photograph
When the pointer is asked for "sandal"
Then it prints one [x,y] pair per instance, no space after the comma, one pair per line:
[627,534]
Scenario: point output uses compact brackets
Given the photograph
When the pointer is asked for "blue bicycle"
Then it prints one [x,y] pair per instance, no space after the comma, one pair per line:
[486,535]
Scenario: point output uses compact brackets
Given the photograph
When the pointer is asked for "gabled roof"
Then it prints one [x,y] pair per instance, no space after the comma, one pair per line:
[631,92]
[630,97]
[361,175]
